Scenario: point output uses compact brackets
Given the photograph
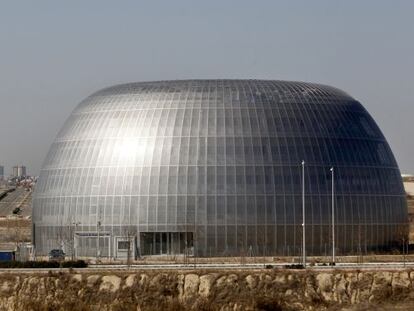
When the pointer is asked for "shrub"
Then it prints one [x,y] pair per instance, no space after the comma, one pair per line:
[294,266]
[74,264]
[268,304]
[42,264]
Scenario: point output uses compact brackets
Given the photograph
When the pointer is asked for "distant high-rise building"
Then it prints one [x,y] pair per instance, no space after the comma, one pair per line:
[19,171]
[1,172]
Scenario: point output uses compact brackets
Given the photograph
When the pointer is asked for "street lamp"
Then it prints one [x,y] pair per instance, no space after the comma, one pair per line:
[303,216]
[98,249]
[98,229]
[333,214]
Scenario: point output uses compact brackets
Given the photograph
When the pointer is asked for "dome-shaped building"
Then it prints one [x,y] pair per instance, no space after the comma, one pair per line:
[213,167]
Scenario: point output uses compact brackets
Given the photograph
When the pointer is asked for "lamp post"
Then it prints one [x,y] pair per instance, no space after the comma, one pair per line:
[303,216]
[98,248]
[333,214]
[98,229]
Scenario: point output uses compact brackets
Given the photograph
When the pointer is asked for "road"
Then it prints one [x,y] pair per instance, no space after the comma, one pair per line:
[17,198]
[279,266]
[229,266]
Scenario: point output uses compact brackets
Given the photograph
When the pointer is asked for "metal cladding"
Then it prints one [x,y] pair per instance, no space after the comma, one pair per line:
[215,166]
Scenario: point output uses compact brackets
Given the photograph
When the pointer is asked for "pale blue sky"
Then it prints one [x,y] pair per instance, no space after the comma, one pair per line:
[55,53]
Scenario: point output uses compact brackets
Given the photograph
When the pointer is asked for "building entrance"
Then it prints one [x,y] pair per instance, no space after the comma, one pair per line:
[92,244]
[166,243]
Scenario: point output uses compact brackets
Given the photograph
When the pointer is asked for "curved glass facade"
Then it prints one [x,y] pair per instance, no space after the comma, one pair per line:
[214,167]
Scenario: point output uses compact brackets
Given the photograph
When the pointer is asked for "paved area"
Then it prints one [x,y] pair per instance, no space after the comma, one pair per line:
[389,266]
[18,198]
[409,187]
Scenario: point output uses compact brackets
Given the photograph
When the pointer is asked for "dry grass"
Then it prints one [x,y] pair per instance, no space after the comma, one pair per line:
[162,291]
[15,230]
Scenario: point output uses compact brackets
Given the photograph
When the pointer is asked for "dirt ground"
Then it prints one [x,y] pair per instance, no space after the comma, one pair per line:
[15,230]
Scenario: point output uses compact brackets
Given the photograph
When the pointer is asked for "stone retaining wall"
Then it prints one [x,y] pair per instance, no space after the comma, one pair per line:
[203,290]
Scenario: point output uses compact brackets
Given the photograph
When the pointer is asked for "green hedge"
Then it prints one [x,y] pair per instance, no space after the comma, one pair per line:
[43,264]
[294,266]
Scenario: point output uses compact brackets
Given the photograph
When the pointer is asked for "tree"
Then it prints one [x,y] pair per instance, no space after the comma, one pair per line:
[130,235]
[402,239]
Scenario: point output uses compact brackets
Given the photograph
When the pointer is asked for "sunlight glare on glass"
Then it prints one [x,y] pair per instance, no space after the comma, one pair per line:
[129,149]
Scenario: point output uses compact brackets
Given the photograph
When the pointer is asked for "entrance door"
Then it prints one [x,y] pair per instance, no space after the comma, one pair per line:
[124,247]
[166,243]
